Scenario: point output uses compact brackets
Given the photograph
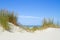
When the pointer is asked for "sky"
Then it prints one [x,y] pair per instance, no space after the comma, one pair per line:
[31,12]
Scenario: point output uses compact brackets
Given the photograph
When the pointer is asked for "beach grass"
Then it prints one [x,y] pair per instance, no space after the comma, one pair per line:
[6,17]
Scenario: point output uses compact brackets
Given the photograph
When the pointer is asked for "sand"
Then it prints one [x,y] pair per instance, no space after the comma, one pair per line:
[47,34]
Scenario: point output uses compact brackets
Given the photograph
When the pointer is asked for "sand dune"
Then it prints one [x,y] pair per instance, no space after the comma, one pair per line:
[47,34]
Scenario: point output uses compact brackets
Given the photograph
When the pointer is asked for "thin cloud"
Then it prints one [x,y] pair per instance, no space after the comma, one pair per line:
[28,17]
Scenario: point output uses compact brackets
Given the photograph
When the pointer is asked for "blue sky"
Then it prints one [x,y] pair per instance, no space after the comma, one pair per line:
[31,12]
